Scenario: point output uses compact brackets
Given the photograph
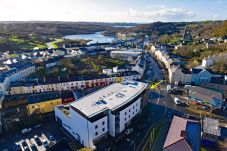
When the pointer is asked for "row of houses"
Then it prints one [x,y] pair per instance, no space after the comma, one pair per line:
[69,82]
[176,74]
[16,71]
[45,102]
[117,74]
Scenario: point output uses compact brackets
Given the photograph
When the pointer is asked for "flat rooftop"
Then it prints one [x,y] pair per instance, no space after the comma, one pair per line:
[127,52]
[110,97]
[211,126]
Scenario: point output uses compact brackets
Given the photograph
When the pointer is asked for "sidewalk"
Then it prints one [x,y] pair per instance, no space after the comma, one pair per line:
[161,137]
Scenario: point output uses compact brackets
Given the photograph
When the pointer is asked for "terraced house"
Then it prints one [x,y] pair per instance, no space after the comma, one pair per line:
[70,83]
[17,71]
[43,103]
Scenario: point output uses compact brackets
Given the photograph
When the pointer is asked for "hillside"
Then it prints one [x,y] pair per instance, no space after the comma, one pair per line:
[16,36]
[173,30]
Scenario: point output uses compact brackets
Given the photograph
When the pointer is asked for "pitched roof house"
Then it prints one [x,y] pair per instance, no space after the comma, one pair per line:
[184,135]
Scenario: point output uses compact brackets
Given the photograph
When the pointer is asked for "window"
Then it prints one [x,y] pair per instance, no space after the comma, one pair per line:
[129,116]
[136,110]
[125,113]
[136,104]
[103,129]
[129,110]
[32,106]
[125,119]
[132,113]
[96,126]
[103,123]
[133,107]
[96,133]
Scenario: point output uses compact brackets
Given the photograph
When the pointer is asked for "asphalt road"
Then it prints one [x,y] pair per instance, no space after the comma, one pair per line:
[153,70]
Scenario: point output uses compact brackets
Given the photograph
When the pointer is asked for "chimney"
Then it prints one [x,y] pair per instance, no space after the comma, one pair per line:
[184,134]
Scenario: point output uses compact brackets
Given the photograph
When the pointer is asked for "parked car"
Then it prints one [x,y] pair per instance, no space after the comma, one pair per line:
[52,139]
[45,143]
[37,140]
[26,130]
[128,131]
[34,147]
[177,101]
[38,125]
[26,148]
[203,107]
[17,147]
[24,143]
[207,108]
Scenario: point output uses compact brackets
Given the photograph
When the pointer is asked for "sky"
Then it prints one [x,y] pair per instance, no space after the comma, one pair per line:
[138,11]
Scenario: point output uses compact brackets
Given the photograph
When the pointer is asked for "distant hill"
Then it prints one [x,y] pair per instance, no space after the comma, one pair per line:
[51,28]
[204,29]
[18,35]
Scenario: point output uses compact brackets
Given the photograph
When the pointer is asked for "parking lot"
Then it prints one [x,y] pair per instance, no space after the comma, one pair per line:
[47,134]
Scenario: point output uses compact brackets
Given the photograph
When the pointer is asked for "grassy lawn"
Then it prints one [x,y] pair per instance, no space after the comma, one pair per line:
[55,43]
[96,68]
[13,55]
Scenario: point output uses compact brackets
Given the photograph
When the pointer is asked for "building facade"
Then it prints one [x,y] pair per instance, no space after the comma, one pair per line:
[70,83]
[177,75]
[14,74]
[43,103]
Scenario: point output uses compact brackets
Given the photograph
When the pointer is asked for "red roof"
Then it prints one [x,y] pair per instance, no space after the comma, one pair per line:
[174,141]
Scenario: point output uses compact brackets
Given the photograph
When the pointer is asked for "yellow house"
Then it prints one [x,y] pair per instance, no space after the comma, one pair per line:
[43,102]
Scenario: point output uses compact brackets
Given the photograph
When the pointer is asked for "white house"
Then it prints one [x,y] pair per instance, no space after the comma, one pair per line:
[178,75]
[208,62]
[106,111]
[202,75]
[16,73]
[128,55]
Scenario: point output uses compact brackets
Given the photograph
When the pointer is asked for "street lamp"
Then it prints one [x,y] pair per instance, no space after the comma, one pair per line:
[132,142]
[165,109]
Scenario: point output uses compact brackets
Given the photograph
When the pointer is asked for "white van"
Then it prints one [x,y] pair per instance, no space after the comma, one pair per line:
[26,130]
[177,101]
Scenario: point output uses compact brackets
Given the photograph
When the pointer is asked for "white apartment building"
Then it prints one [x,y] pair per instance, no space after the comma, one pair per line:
[128,55]
[107,111]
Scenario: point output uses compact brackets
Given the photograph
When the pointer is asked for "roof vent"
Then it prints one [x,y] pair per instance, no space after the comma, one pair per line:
[119,95]
[100,102]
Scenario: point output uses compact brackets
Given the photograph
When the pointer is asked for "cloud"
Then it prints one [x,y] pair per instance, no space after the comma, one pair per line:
[162,13]
[147,14]
[66,11]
